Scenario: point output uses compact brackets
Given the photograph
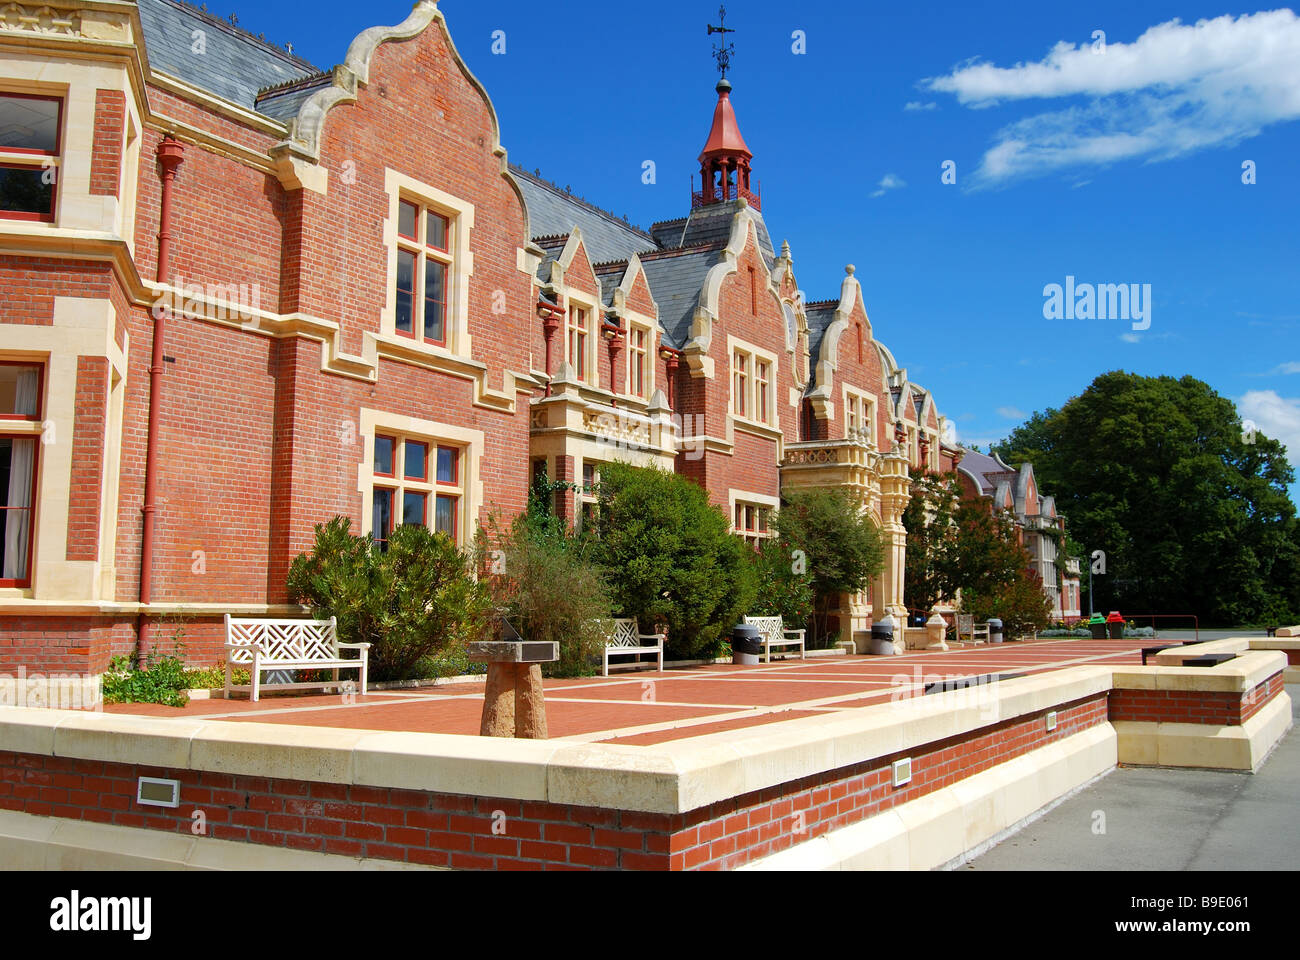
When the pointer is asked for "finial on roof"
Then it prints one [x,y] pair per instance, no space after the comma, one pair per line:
[850,269]
[722,51]
[785,249]
[234,20]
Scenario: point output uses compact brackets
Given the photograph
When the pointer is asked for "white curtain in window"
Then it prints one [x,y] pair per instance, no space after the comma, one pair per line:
[18,521]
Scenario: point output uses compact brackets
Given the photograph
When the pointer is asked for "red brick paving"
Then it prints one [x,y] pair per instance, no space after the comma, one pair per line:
[676,697]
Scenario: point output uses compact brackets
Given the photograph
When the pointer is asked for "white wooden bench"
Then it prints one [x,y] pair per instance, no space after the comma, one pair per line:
[281,645]
[774,634]
[626,639]
[968,631]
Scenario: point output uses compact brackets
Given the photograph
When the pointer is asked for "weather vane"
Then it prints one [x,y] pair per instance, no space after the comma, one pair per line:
[722,51]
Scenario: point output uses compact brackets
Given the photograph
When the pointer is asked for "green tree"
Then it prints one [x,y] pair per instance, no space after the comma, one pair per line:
[841,545]
[785,586]
[930,518]
[418,599]
[670,556]
[1191,510]
[958,543]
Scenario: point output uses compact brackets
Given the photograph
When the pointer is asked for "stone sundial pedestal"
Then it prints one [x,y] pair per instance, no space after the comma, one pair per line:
[513,704]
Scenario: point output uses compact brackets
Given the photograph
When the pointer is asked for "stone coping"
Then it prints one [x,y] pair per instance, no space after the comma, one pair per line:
[1255,663]
[671,777]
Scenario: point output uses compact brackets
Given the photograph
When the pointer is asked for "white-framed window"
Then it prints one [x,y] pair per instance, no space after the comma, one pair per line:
[424,270]
[417,481]
[753,383]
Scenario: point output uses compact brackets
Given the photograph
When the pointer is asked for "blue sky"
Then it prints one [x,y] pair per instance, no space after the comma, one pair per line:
[1112,160]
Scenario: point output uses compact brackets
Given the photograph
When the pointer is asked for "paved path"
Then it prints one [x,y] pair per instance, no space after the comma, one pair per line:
[1170,820]
[651,707]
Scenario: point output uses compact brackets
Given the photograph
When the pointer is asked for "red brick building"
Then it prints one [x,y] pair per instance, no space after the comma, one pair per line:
[245,295]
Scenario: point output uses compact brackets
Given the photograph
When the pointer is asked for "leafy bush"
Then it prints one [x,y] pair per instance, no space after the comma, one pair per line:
[671,557]
[783,591]
[552,590]
[1064,632]
[214,678]
[1138,633]
[414,601]
[843,548]
[160,680]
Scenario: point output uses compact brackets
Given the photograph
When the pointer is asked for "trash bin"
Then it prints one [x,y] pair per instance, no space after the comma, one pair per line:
[746,644]
[1115,625]
[1097,624]
[882,636]
[995,630]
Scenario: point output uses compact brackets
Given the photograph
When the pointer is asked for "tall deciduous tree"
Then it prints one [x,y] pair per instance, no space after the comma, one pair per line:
[1190,509]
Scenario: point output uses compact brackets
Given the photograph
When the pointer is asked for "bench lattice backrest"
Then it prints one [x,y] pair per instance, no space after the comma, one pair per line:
[772,628]
[284,639]
[623,633]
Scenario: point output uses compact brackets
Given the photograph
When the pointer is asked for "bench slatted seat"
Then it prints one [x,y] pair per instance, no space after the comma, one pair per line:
[968,631]
[281,645]
[774,634]
[625,639]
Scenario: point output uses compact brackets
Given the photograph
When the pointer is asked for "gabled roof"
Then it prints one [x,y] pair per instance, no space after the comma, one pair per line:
[552,212]
[234,64]
[987,472]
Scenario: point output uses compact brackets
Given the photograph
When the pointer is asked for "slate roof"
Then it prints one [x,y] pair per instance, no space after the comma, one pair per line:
[552,211]
[820,316]
[989,472]
[284,103]
[675,282]
[235,65]
[710,225]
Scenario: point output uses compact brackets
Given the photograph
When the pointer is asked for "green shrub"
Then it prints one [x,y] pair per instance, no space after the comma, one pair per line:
[551,589]
[160,680]
[214,678]
[670,557]
[783,591]
[414,601]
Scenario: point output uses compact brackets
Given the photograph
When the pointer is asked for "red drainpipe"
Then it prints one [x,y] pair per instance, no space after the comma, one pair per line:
[171,154]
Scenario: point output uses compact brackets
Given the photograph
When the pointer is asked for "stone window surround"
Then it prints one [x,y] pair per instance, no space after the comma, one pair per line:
[470,442]
[460,218]
[756,355]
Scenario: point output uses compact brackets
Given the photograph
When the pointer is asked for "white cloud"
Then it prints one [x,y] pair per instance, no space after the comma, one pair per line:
[890,181]
[1289,367]
[1274,416]
[1011,413]
[917,105]
[1130,338]
[1175,89]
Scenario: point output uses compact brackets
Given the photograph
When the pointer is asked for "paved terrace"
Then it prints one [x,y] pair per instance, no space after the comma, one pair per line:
[649,707]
